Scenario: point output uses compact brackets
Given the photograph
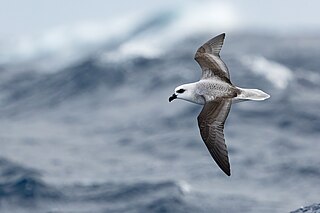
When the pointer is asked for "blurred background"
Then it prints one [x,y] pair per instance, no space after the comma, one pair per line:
[85,123]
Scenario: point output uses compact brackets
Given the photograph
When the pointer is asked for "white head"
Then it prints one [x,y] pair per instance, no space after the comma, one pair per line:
[186,92]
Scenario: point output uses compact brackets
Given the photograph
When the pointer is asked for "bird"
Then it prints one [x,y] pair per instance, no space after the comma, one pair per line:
[216,93]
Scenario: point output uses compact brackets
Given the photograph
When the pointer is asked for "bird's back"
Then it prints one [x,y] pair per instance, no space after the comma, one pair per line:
[213,89]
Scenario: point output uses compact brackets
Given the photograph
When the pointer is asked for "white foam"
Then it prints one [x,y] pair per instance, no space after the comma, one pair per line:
[278,74]
[184,186]
[188,19]
[63,45]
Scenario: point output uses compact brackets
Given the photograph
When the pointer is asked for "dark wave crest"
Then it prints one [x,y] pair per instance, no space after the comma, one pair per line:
[20,187]
[314,208]
[23,185]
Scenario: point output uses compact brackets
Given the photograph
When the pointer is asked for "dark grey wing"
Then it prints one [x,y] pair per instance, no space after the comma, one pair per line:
[209,59]
[211,123]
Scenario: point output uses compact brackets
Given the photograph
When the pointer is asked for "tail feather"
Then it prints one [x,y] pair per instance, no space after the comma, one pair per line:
[251,94]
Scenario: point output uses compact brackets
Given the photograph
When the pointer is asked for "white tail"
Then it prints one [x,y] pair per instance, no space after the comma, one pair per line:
[251,94]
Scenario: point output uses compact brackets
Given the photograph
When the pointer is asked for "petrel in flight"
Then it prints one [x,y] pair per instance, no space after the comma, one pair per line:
[216,93]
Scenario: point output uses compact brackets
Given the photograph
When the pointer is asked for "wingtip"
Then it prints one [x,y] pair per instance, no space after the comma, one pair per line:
[228,172]
[220,36]
[223,35]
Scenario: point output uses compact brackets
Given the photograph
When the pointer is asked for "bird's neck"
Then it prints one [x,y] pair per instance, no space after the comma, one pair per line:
[193,96]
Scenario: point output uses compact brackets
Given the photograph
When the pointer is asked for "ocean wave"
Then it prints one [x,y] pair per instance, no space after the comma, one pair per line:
[314,208]
[142,35]
[23,185]
[278,74]
[162,196]
[30,89]
[113,192]
[59,47]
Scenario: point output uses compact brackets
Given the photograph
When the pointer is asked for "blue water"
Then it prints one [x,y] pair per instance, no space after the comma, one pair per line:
[98,135]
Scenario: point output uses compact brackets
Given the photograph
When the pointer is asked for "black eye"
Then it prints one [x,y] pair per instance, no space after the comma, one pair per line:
[181,91]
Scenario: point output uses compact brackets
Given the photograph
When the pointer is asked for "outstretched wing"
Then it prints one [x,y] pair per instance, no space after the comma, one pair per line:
[209,59]
[211,123]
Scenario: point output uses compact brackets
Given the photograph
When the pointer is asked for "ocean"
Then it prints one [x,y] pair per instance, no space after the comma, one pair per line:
[90,129]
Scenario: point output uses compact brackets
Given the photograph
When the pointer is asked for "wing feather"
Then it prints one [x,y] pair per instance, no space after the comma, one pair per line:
[208,57]
[211,123]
